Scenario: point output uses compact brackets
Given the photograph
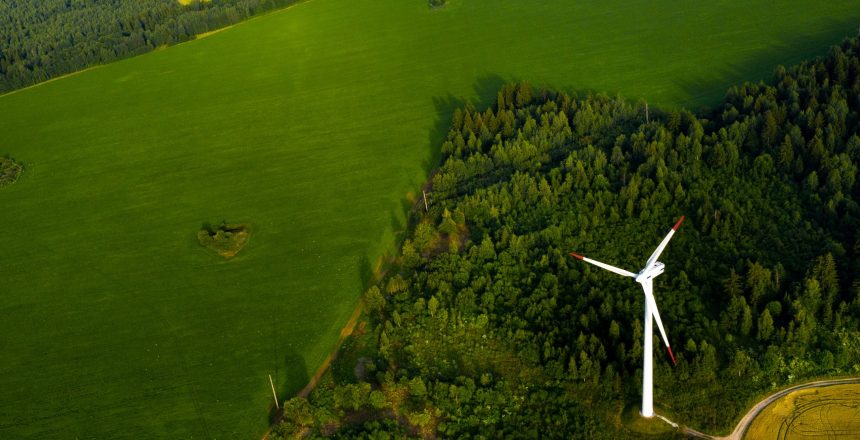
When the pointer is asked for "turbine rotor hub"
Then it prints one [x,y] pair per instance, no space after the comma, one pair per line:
[651,273]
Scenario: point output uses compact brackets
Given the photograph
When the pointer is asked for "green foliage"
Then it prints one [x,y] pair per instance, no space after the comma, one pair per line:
[43,39]
[9,171]
[377,399]
[374,302]
[277,120]
[425,238]
[396,284]
[298,416]
[511,319]
[765,326]
[227,239]
[417,388]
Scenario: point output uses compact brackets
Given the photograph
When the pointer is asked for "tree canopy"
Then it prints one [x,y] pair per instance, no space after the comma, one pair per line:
[43,39]
[487,328]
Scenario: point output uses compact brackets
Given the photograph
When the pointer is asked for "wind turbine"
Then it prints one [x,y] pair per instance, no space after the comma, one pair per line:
[645,277]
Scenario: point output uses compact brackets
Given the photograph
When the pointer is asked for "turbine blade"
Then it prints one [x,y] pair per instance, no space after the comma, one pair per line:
[617,270]
[653,258]
[655,312]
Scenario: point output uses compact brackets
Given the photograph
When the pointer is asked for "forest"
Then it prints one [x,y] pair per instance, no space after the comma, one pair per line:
[43,39]
[485,327]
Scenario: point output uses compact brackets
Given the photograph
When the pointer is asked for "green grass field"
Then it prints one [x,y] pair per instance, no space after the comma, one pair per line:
[310,124]
[831,412]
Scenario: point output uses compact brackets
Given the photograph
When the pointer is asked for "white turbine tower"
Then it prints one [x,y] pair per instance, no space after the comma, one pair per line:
[645,277]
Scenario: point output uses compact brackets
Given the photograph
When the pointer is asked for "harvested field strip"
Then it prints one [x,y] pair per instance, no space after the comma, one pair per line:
[831,412]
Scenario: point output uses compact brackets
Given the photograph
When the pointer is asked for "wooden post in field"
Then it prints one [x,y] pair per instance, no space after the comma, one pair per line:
[426,208]
[274,394]
[647,119]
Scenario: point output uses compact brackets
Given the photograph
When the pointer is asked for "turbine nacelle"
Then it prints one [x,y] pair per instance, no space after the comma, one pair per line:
[650,273]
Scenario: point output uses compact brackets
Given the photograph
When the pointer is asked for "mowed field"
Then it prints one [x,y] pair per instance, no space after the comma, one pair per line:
[831,412]
[311,124]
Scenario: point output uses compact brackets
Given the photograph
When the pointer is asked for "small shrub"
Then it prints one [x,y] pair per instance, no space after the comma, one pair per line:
[9,171]
[227,239]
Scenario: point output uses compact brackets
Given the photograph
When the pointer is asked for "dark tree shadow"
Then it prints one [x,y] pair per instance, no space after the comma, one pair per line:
[398,226]
[486,88]
[445,106]
[296,372]
[365,270]
[706,91]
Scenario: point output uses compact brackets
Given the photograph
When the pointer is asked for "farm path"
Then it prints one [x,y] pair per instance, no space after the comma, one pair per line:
[745,422]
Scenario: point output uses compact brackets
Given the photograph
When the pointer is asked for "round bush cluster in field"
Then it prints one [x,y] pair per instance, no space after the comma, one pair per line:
[9,171]
[227,239]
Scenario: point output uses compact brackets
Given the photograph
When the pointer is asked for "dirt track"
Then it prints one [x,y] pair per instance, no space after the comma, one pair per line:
[344,332]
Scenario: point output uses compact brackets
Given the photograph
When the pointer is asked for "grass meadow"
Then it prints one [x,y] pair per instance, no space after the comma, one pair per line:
[312,125]
[831,412]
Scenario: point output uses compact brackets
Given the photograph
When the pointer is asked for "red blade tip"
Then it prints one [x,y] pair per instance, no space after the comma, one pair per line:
[577,256]
[671,355]
[677,225]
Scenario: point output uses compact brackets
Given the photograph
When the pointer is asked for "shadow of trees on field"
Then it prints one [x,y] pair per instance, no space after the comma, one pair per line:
[295,371]
[410,205]
[365,270]
[486,88]
[700,90]
[704,91]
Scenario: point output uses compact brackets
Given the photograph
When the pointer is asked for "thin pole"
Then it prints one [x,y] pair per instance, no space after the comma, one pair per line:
[277,405]
[647,119]
[426,208]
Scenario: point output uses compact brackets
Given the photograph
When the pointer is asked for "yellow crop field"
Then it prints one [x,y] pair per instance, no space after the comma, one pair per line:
[831,412]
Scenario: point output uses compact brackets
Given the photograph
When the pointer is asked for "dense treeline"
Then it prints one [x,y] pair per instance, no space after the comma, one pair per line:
[486,328]
[43,39]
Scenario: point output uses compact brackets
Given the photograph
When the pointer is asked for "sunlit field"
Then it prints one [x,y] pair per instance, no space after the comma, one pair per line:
[831,412]
[315,126]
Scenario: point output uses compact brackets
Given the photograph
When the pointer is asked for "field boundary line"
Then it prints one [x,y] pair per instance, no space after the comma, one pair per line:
[203,35]
[382,266]
[196,37]
[63,76]
[345,332]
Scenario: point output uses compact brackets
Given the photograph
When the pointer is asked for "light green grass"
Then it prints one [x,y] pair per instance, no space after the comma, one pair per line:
[311,124]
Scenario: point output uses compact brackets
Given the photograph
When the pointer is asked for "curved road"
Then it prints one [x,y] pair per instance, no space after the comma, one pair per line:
[745,422]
